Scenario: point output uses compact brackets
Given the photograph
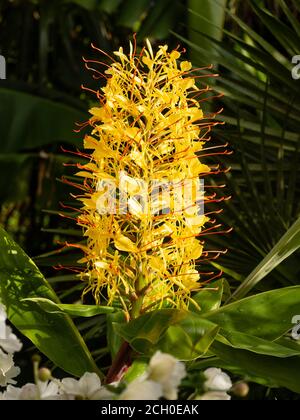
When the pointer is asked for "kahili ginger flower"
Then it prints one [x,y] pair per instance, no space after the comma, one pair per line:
[142,212]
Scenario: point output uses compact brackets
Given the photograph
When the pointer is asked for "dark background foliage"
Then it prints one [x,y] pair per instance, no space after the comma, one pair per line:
[44,41]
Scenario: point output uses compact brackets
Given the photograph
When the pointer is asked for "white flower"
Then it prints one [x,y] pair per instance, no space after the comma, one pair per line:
[168,372]
[42,391]
[9,341]
[142,390]
[48,390]
[7,369]
[27,392]
[216,380]
[88,387]
[214,396]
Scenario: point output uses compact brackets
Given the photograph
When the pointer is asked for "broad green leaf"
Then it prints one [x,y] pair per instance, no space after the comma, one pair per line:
[289,343]
[182,334]
[266,315]
[132,12]
[263,369]
[190,339]
[160,19]
[147,329]
[288,244]
[209,298]
[55,335]
[84,311]
[114,341]
[255,344]
[36,123]
[209,15]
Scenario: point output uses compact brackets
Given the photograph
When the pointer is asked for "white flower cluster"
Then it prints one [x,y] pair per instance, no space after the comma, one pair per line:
[9,344]
[161,379]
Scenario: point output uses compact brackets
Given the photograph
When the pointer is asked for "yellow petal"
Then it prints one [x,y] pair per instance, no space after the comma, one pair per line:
[148,62]
[122,243]
[174,55]
[101,264]
[90,142]
[185,66]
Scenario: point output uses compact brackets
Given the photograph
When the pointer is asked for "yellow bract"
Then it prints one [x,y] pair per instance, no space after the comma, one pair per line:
[145,130]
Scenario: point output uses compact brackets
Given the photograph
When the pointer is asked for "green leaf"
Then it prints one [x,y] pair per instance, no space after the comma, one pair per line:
[266,315]
[288,244]
[85,311]
[114,340]
[160,18]
[148,328]
[185,335]
[283,33]
[190,339]
[263,369]
[208,15]
[55,335]
[132,12]
[209,298]
[109,6]
[255,344]
[33,121]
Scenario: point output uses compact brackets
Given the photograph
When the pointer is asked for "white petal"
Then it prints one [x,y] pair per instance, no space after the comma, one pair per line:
[214,396]
[146,390]
[9,341]
[7,369]
[168,372]
[89,383]
[70,386]
[2,321]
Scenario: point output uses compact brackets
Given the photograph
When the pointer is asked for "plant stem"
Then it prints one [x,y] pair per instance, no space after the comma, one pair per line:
[123,357]
[120,363]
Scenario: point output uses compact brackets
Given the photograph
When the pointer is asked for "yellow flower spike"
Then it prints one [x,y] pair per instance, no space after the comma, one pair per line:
[140,220]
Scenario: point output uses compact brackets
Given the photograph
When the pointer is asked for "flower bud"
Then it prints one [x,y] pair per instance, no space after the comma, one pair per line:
[36,358]
[44,374]
[240,389]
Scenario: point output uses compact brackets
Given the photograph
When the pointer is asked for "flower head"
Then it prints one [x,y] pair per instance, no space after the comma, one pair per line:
[142,187]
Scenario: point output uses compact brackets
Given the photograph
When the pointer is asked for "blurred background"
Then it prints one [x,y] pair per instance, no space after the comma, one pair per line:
[251,44]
